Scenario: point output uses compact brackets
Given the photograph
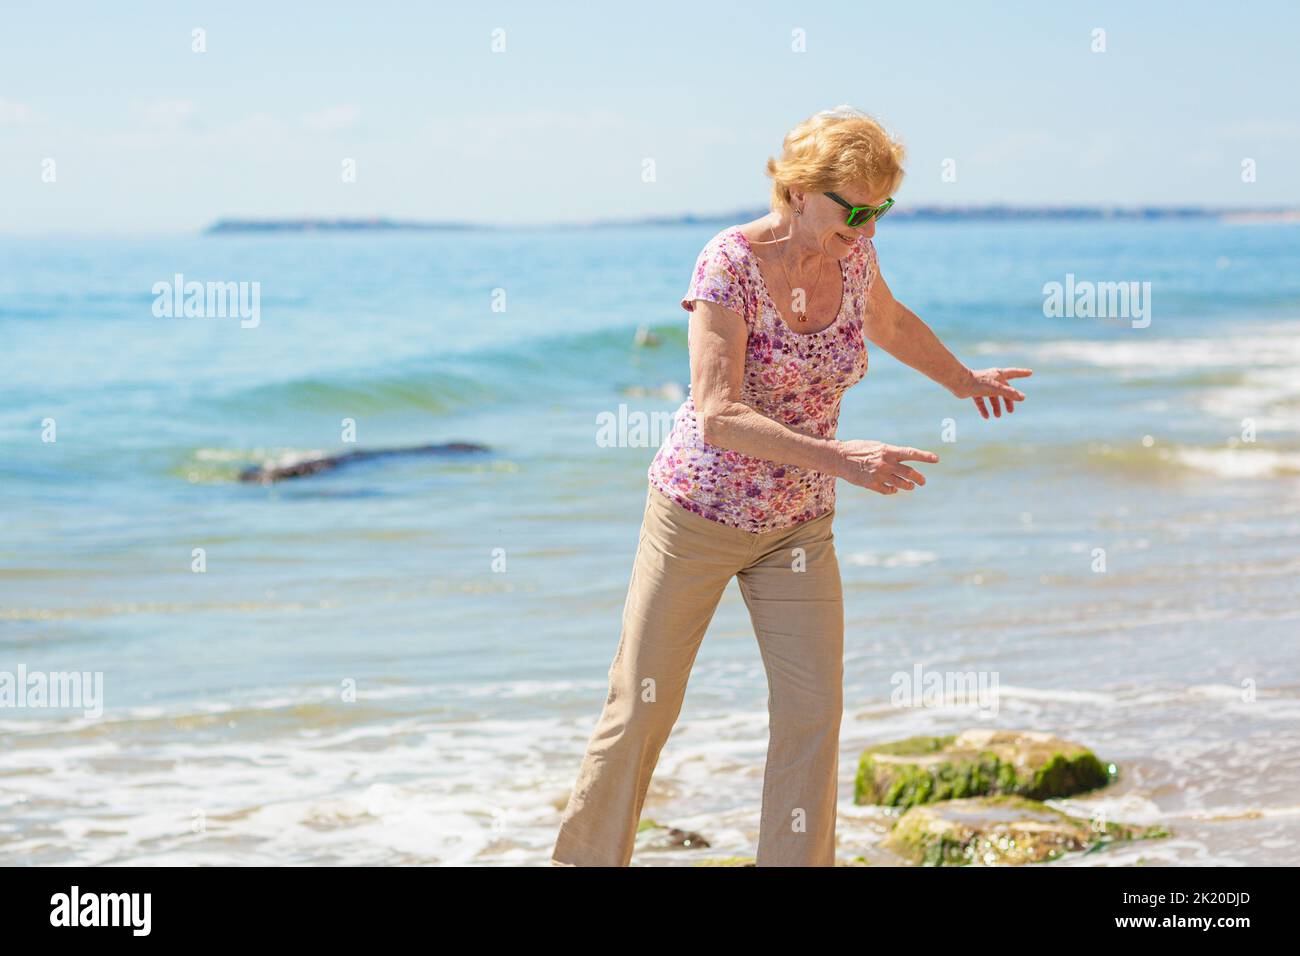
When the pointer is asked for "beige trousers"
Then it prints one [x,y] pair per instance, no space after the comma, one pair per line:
[790,581]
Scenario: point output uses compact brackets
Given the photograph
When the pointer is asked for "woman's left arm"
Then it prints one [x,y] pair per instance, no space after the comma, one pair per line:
[900,332]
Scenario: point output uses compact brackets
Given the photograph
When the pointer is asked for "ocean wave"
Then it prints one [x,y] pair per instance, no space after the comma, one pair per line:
[1253,376]
[446,383]
[1236,463]
[1277,347]
[1269,398]
[1240,461]
[292,709]
[1138,460]
[429,390]
[95,611]
[234,721]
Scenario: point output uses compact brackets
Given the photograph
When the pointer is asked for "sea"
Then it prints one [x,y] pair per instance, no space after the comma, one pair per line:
[399,661]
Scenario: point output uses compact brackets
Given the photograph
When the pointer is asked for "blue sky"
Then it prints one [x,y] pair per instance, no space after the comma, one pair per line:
[148,136]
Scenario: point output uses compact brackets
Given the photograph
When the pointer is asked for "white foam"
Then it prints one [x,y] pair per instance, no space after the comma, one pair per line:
[1237,462]
[898,559]
[1270,399]
[1057,693]
[270,457]
[1128,807]
[422,789]
[1171,355]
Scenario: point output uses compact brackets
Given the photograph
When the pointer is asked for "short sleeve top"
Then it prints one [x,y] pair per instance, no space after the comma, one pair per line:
[794,378]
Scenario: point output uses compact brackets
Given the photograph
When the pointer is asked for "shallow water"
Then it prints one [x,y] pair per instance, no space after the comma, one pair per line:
[225,737]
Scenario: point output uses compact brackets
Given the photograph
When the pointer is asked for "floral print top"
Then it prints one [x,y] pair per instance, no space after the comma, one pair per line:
[794,378]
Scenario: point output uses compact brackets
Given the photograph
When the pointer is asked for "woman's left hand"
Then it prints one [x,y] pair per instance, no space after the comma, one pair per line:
[991,383]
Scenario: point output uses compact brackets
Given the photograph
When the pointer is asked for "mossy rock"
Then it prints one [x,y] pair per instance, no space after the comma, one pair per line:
[976,763]
[1003,830]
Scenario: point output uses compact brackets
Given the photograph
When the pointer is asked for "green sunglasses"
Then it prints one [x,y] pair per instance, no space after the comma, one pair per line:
[858,215]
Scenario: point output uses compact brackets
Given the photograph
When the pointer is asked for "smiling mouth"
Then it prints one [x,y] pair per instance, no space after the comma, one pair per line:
[845,238]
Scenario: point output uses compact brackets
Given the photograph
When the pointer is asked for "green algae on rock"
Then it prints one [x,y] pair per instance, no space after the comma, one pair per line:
[975,763]
[1003,830]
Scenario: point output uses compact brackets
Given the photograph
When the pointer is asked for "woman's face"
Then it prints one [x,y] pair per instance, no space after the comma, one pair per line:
[823,218]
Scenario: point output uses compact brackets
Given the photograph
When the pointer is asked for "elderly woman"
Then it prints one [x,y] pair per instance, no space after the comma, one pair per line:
[744,487]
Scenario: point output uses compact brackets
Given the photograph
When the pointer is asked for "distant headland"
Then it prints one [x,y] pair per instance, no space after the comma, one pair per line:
[372,224]
[902,213]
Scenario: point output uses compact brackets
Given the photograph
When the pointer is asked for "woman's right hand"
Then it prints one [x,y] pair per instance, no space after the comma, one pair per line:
[879,467]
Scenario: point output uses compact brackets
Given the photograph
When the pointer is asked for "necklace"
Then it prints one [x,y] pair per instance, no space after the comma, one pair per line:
[801,316]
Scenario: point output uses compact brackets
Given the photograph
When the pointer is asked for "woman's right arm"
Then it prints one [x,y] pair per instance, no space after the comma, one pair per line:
[717,339]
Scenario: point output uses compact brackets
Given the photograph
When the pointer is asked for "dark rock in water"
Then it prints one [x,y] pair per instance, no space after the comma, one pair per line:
[310,466]
[976,763]
[657,836]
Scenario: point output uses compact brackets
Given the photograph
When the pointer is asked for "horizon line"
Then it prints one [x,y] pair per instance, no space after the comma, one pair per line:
[926,211]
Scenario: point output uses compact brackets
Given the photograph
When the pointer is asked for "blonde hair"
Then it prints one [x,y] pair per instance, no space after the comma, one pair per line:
[834,149]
